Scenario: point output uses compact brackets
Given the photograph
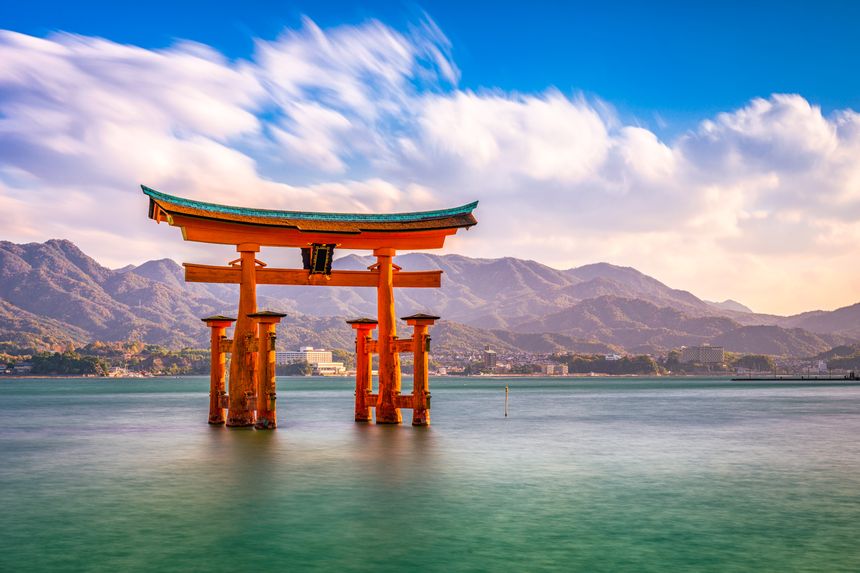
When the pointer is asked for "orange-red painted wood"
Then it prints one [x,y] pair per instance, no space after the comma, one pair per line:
[226,233]
[242,382]
[387,411]
[267,418]
[217,369]
[363,371]
[195,273]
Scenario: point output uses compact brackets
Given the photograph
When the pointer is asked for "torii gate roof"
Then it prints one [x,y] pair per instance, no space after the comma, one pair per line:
[225,224]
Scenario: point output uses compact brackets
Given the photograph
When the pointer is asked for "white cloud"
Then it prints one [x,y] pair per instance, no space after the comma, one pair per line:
[339,94]
[546,138]
[314,136]
[784,132]
[370,118]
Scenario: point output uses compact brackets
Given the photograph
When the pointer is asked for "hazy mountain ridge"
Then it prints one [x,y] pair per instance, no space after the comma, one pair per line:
[775,340]
[52,293]
[501,293]
[57,281]
[645,327]
[844,321]
[730,304]
[26,329]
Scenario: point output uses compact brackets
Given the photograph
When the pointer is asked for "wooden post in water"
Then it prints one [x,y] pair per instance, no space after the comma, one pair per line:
[218,326]
[387,411]
[267,322]
[363,367]
[242,383]
[420,377]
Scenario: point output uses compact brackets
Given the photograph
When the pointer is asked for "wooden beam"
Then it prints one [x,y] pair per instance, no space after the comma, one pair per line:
[402,400]
[402,345]
[270,276]
[371,347]
[230,233]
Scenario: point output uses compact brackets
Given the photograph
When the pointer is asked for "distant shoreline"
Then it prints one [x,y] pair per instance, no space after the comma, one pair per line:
[725,377]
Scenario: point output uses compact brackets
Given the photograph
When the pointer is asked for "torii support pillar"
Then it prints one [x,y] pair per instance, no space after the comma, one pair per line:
[242,382]
[268,321]
[217,366]
[363,367]
[420,381]
[387,411]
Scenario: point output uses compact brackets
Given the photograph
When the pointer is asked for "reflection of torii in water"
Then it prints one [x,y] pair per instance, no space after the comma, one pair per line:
[251,397]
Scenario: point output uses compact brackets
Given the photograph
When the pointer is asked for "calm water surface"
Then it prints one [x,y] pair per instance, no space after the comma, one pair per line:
[584,475]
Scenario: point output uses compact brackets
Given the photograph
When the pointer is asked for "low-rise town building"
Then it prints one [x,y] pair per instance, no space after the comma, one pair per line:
[22,368]
[329,369]
[554,369]
[705,354]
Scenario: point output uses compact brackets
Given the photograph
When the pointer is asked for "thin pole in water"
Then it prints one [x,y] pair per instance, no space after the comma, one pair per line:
[506,400]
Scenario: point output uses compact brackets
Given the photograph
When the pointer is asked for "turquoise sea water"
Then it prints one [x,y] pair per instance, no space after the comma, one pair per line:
[584,475]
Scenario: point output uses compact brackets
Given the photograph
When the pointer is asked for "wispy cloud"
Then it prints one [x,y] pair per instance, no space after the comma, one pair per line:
[371,118]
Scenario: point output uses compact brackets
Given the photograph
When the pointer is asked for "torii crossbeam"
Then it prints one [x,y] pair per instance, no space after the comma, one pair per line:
[251,394]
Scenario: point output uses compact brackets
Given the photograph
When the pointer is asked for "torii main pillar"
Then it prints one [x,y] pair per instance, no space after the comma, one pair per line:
[242,381]
[387,411]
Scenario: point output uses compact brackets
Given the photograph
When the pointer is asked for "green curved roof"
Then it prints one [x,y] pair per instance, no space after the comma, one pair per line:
[215,210]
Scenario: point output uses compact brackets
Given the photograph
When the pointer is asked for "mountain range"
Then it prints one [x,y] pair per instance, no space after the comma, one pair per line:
[53,294]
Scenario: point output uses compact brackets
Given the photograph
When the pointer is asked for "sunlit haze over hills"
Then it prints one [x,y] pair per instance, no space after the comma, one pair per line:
[714,149]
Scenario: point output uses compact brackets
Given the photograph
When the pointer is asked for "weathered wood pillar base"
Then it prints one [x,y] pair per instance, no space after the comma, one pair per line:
[385,414]
[421,417]
[266,424]
[267,420]
[362,411]
[243,420]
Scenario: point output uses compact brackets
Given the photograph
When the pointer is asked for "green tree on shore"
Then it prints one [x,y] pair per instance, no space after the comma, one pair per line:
[67,364]
[755,362]
[294,369]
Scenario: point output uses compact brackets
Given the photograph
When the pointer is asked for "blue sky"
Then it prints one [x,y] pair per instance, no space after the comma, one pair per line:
[679,59]
[713,147]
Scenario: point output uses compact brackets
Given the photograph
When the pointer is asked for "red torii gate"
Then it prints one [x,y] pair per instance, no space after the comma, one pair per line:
[251,398]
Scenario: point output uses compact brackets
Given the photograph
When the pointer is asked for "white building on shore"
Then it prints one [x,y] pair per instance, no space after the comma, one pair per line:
[319,359]
[329,369]
[304,354]
[554,369]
